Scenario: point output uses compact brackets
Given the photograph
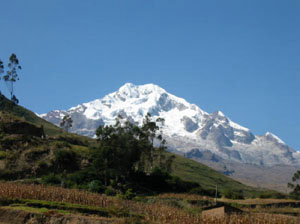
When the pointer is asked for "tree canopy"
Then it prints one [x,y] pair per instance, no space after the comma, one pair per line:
[11,75]
[66,123]
[125,148]
[295,185]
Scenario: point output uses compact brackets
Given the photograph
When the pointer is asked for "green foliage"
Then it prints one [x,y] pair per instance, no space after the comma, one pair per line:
[2,155]
[65,160]
[230,194]
[65,207]
[35,153]
[109,191]
[22,113]
[8,175]
[208,178]
[66,123]
[96,186]
[42,168]
[295,193]
[125,149]
[1,68]
[12,75]
[201,191]
[81,178]
[51,179]
[272,195]
[41,206]
[128,195]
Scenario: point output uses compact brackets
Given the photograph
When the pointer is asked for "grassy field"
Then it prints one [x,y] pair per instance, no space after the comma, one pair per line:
[208,178]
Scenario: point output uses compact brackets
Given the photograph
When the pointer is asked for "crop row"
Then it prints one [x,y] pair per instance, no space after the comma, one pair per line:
[51,193]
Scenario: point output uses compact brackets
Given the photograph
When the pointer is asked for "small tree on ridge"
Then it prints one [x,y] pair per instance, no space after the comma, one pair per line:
[66,122]
[12,76]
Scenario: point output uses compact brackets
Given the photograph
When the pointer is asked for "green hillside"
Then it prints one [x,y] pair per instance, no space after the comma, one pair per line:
[21,112]
[26,155]
[208,178]
[50,129]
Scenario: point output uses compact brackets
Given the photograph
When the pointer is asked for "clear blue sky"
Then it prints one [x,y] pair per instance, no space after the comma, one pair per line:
[240,57]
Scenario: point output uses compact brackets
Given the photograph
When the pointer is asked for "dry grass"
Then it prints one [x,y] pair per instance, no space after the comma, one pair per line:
[253,219]
[49,193]
[186,196]
[258,201]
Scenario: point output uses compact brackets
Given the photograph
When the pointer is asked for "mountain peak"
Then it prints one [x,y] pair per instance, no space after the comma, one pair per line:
[135,91]
[274,137]
[218,113]
[186,126]
[126,86]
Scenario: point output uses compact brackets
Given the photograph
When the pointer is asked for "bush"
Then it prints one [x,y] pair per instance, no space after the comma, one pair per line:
[280,196]
[8,175]
[42,168]
[51,179]
[129,195]
[233,194]
[95,186]
[109,191]
[265,195]
[81,177]
[65,159]
[178,185]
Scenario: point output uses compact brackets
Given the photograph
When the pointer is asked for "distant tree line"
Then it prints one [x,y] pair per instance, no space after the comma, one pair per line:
[295,186]
[10,76]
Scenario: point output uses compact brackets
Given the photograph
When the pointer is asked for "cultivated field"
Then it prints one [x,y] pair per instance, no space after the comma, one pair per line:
[165,208]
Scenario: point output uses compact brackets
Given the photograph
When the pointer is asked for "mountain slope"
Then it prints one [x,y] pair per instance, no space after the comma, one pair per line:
[208,178]
[21,112]
[25,154]
[187,127]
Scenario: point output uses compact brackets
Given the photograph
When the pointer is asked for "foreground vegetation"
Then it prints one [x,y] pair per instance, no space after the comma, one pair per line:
[164,208]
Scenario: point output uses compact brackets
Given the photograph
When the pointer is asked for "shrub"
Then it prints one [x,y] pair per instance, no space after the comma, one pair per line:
[109,191]
[51,179]
[228,193]
[178,185]
[65,159]
[265,195]
[42,168]
[95,186]
[129,195]
[280,196]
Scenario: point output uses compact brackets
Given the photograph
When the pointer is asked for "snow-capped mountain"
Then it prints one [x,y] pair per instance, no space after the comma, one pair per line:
[188,129]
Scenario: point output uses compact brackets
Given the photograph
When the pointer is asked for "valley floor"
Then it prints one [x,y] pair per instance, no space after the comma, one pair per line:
[26,204]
